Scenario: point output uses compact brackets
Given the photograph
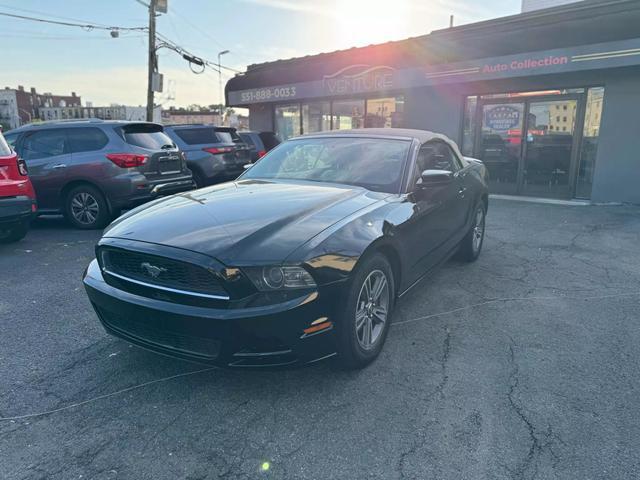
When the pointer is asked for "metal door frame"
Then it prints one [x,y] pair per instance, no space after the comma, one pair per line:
[580,98]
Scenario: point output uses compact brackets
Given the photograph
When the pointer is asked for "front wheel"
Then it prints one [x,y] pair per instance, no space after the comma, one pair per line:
[471,244]
[365,322]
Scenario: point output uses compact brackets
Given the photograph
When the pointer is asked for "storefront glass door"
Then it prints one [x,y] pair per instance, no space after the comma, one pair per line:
[500,144]
[548,155]
[529,145]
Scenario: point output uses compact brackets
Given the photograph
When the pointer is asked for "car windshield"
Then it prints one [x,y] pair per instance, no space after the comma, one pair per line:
[373,163]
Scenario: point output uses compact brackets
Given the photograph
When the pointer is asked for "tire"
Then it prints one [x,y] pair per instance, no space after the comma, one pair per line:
[471,244]
[86,208]
[199,179]
[14,233]
[357,344]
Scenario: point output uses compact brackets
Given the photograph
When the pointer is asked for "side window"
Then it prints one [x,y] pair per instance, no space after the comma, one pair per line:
[86,139]
[437,155]
[455,160]
[43,144]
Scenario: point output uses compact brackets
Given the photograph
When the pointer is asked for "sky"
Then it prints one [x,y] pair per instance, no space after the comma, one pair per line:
[105,70]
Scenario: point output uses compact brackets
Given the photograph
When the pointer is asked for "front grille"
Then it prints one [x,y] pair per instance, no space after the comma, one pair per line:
[149,331]
[162,272]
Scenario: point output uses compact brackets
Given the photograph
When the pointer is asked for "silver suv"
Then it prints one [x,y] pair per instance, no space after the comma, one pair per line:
[90,169]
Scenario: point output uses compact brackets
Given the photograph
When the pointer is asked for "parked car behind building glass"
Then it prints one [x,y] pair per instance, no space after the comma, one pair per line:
[89,170]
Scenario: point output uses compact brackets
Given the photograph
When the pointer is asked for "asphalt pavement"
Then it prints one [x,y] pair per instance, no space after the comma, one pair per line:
[523,365]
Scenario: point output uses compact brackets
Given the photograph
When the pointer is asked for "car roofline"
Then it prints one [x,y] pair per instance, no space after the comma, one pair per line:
[351,135]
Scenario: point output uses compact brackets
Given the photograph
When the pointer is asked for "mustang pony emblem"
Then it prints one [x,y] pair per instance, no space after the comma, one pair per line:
[152,270]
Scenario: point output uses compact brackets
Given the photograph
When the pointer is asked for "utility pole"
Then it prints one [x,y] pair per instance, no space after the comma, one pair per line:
[152,63]
[224,52]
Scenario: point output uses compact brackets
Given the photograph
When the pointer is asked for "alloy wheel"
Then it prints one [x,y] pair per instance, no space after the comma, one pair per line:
[85,208]
[478,230]
[372,309]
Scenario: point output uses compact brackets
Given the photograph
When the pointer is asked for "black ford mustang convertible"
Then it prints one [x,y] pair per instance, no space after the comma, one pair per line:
[301,258]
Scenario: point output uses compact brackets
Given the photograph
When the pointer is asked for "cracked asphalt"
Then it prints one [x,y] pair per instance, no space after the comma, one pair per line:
[534,375]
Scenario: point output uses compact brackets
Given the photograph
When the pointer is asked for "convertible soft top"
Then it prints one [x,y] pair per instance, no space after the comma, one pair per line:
[404,133]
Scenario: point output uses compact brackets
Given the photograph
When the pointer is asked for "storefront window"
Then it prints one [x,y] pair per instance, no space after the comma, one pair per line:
[316,117]
[385,112]
[469,125]
[287,121]
[537,93]
[589,145]
[348,114]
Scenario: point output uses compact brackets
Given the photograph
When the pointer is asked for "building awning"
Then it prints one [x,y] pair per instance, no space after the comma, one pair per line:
[580,36]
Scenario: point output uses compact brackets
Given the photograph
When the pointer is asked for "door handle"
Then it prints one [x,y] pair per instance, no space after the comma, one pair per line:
[60,165]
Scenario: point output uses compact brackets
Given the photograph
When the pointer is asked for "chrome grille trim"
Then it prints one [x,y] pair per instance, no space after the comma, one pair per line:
[166,289]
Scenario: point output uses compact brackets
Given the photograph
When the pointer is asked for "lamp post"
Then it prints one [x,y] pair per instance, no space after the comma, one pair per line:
[224,52]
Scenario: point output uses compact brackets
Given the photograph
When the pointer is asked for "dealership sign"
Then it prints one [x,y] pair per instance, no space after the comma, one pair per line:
[365,78]
[502,118]
[359,78]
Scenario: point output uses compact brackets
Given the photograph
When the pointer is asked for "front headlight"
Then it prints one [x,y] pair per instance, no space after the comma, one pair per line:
[267,279]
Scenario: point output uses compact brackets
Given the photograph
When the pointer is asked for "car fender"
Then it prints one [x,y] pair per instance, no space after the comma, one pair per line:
[334,253]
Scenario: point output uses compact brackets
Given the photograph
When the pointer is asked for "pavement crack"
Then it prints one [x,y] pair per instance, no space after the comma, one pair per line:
[422,437]
[541,441]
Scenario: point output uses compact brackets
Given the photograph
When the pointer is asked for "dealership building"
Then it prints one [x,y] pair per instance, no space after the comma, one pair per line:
[548,99]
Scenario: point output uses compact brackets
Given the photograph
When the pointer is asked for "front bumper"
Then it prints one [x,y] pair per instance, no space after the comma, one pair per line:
[16,209]
[269,336]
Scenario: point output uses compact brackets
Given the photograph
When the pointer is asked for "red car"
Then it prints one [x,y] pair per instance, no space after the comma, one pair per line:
[17,197]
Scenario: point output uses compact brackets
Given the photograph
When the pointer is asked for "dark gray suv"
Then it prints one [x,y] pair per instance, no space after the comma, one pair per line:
[90,169]
[214,154]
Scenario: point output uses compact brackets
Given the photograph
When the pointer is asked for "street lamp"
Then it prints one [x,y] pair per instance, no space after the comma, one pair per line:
[224,52]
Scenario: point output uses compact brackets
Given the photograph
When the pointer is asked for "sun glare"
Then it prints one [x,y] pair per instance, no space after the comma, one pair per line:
[361,22]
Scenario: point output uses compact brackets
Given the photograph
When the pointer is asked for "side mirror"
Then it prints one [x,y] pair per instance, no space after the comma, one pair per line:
[247,166]
[436,177]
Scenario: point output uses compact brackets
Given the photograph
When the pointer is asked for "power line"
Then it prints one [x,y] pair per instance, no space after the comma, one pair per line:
[73,19]
[86,26]
[206,34]
[166,42]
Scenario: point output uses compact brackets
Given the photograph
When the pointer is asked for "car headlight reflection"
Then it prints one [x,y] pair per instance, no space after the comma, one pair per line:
[272,278]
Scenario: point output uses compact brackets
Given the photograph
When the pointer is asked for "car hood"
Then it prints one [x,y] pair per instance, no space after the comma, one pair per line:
[244,222]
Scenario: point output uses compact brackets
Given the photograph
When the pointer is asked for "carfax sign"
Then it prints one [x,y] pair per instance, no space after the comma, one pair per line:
[502,118]
[364,78]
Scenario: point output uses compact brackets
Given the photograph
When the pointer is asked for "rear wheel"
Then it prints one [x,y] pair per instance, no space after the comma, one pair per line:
[471,244]
[365,322]
[86,208]
[13,233]
[199,179]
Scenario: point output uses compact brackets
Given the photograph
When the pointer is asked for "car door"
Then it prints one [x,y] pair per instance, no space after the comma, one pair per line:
[437,209]
[88,159]
[459,194]
[47,156]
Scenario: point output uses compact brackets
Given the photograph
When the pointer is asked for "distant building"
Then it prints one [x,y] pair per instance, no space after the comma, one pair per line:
[18,106]
[529,5]
[113,112]
[182,116]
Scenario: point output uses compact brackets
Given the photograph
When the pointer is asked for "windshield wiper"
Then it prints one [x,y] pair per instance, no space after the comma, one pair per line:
[167,146]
